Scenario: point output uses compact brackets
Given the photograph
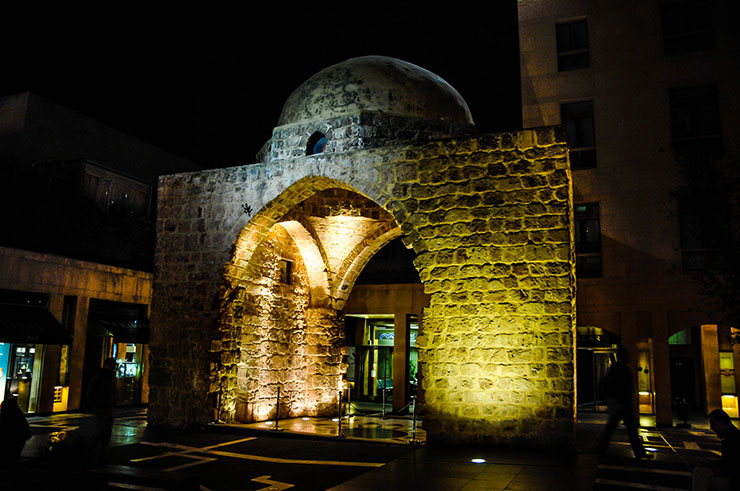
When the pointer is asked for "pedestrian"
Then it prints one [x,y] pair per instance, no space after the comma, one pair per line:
[618,385]
[14,432]
[722,474]
[102,398]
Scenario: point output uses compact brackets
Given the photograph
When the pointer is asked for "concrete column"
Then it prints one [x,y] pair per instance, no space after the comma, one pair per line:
[48,378]
[662,371]
[628,333]
[401,341]
[710,368]
[77,355]
[51,361]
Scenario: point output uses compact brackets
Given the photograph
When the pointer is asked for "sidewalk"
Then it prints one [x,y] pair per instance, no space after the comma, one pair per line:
[217,455]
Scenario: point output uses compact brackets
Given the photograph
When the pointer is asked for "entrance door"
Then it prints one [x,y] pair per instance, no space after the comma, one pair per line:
[376,373]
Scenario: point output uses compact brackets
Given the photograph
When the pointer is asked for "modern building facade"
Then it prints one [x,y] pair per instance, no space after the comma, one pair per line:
[641,89]
[76,253]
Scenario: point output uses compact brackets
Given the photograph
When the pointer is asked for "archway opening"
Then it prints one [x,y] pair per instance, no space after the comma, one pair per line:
[282,345]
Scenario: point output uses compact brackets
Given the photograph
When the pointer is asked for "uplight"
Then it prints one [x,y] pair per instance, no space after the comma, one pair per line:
[478,461]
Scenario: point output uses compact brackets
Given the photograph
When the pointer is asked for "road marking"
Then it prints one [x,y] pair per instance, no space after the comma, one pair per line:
[273,485]
[185,450]
[198,461]
[644,469]
[637,485]
[277,460]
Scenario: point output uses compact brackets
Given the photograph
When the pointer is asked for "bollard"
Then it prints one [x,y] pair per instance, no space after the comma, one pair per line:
[413,423]
[339,419]
[349,404]
[220,394]
[383,391]
[277,411]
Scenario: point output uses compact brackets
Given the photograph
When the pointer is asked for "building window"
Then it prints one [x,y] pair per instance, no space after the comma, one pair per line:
[588,240]
[687,26]
[286,268]
[110,190]
[578,121]
[698,232]
[316,143]
[572,42]
[695,121]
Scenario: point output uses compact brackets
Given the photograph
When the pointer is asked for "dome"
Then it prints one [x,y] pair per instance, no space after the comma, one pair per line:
[375,83]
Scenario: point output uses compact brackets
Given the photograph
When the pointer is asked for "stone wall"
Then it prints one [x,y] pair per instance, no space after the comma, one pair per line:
[263,335]
[365,130]
[490,219]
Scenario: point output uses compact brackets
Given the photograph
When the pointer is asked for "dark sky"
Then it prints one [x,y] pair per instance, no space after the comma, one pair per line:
[210,86]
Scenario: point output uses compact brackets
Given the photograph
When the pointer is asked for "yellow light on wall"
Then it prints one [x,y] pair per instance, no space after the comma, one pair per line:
[729,405]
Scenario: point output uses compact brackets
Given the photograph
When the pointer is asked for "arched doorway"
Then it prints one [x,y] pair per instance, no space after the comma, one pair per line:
[282,326]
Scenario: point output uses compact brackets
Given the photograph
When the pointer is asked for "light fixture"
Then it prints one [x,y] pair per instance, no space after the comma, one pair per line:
[478,461]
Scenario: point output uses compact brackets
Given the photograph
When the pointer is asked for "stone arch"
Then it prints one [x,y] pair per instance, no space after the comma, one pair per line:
[291,334]
[359,258]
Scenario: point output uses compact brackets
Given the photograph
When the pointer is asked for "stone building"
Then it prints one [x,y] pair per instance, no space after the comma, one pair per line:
[640,87]
[255,264]
[75,253]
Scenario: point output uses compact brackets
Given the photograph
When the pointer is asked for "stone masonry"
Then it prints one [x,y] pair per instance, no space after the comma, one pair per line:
[490,220]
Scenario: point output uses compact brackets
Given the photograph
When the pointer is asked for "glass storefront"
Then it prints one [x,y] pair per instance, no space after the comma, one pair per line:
[22,374]
[371,358]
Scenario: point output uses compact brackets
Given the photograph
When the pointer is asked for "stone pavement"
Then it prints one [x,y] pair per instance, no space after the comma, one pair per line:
[253,458]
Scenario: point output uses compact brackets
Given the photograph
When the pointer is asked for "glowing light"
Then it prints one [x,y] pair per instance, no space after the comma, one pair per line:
[478,461]
[651,449]
[335,419]
[643,393]
[268,423]
[305,418]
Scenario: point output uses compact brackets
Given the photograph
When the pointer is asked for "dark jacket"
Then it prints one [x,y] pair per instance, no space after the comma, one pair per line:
[102,391]
[618,383]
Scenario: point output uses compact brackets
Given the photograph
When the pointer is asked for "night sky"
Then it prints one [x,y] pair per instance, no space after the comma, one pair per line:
[210,86]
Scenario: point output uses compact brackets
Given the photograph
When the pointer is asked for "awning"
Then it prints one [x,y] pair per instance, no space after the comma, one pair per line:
[30,324]
[123,330]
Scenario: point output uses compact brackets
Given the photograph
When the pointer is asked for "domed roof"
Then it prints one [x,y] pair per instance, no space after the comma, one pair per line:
[375,83]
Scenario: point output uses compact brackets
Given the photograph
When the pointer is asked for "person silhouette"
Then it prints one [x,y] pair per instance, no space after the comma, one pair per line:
[618,385]
[725,473]
[102,397]
[14,432]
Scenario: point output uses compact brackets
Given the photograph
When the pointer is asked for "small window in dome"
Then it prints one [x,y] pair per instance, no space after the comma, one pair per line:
[316,143]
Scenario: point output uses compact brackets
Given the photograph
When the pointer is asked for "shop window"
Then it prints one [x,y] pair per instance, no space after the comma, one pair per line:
[572,43]
[578,121]
[695,120]
[687,26]
[588,241]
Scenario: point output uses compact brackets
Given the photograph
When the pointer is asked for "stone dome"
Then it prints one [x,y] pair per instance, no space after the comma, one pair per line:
[375,83]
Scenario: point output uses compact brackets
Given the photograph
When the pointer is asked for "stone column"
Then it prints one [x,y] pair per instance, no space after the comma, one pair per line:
[325,340]
[401,340]
[710,368]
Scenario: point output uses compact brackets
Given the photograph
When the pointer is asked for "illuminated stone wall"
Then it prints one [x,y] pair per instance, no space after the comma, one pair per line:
[490,219]
[264,322]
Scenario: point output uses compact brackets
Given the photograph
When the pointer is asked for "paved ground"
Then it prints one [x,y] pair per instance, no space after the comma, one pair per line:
[254,458]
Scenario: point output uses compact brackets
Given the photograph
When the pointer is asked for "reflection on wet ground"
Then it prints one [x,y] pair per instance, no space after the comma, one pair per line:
[128,428]
[385,430]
